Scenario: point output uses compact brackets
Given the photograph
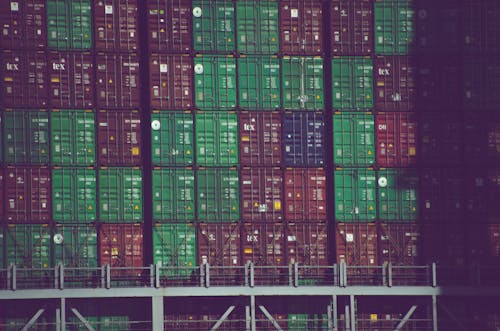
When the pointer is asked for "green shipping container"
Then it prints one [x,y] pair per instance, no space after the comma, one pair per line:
[257,27]
[28,245]
[26,137]
[218,195]
[302,79]
[174,245]
[259,82]
[172,138]
[397,194]
[355,197]
[74,195]
[173,195]
[215,82]
[216,139]
[353,139]
[352,83]
[394,26]
[72,134]
[102,323]
[213,26]
[120,195]
[75,246]
[69,24]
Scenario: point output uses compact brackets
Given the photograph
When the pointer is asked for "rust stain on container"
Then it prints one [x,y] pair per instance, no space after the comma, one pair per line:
[305,194]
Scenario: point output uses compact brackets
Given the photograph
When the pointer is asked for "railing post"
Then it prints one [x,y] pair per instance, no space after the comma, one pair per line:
[247,270]
[61,276]
[151,275]
[207,275]
[343,274]
[335,275]
[14,277]
[384,274]
[56,276]
[157,275]
[434,274]
[290,274]
[389,273]
[202,275]
[296,274]
[103,276]
[108,276]
[252,274]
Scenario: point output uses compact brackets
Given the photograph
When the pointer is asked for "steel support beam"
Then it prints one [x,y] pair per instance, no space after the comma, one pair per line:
[32,321]
[352,304]
[335,320]
[434,314]
[347,317]
[222,318]
[406,318]
[82,319]
[248,319]
[157,315]
[269,317]
[453,318]
[63,314]
[58,320]
[252,313]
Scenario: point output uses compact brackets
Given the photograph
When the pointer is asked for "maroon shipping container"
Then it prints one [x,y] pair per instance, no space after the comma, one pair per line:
[117,80]
[351,27]
[485,243]
[219,244]
[356,243]
[444,243]
[482,187]
[441,194]
[171,81]
[260,138]
[301,27]
[1,195]
[120,245]
[307,244]
[119,137]
[263,243]
[23,24]
[116,25]
[27,196]
[305,194]
[396,137]
[440,139]
[24,78]
[71,80]
[398,243]
[261,194]
[394,83]
[482,138]
[169,26]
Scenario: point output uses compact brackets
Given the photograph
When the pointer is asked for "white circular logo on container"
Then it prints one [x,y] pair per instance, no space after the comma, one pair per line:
[155,125]
[198,68]
[197,12]
[58,238]
[382,182]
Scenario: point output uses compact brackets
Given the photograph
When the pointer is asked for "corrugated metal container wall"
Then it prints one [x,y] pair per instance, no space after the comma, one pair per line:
[264,243]
[355,197]
[1,202]
[172,138]
[261,194]
[481,80]
[303,139]
[117,80]
[352,83]
[72,137]
[26,137]
[439,86]
[119,137]
[169,26]
[28,246]
[75,246]
[394,26]
[213,26]
[394,83]
[441,139]
[69,24]
[301,27]
[24,77]
[398,194]
[173,194]
[72,81]
[483,37]
[23,24]
[482,187]
[443,243]
[305,194]
[116,25]
[482,138]
[257,27]
[74,195]
[351,27]
[307,244]
[485,243]
[2,244]
[259,82]
[27,196]
[398,243]
[356,243]
[218,194]
[219,245]
[171,82]
[260,138]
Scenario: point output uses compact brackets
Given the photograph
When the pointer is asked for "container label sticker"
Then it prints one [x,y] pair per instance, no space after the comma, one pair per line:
[349,237]
[14,6]
[163,68]
[108,10]
[294,13]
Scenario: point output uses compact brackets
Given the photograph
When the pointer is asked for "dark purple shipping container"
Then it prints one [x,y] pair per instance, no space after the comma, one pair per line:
[116,25]
[485,243]
[398,243]
[71,80]
[119,137]
[117,80]
[171,82]
[170,26]
[443,243]
[356,244]
[305,194]
[307,244]
[261,194]
[1,195]
[219,244]
[351,27]
[260,138]
[440,139]
[394,83]
[482,138]
[481,26]
[482,187]
[23,24]
[396,139]
[24,79]
[27,195]
[264,243]
[301,27]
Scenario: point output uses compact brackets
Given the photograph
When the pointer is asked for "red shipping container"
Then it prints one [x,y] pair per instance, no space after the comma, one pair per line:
[116,25]
[24,77]
[119,137]
[356,244]
[171,81]
[394,83]
[23,24]
[71,80]
[396,137]
[261,194]
[305,194]
[260,138]
[263,243]
[482,187]
[444,243]
[301,27]
[351,27]
[219,244]
[482,138]
[120,245]
[117,80]
[170,26]
[398,243]
[28,194]
[441,138]
[307,244]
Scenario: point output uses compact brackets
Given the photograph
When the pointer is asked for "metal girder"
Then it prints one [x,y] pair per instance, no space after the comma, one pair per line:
[157,313]
[347,318]
[63,314]
[222,318]
[434,313]
[352,304]
[252,313]
[406,318]
[269,317]
[33,320]
[248,319]
[453,318]
[82,319]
